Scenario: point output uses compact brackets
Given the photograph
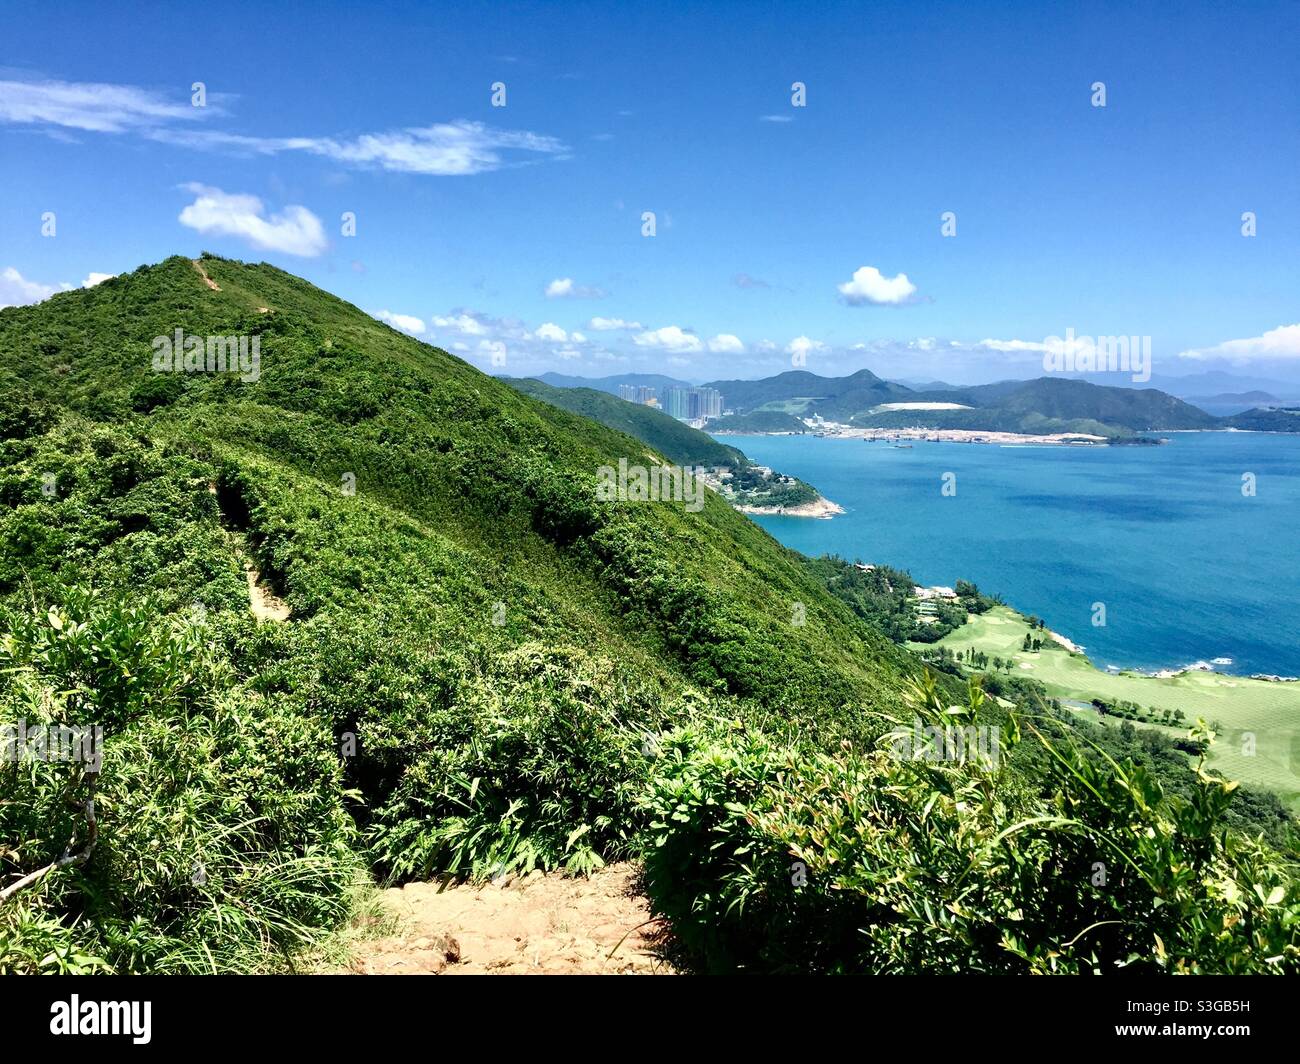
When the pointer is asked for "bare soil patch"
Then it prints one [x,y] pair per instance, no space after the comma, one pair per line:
[543,923]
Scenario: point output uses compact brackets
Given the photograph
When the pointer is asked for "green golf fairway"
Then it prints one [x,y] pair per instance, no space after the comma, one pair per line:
[1269,711]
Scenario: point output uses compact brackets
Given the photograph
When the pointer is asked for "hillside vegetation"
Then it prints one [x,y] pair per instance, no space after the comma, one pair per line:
[758,421]
[674,439]
[485,669]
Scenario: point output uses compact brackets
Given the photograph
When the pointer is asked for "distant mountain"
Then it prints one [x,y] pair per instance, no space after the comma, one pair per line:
[1043,405]
[1249,398]
[1048,404]
[1217,382]
[1130,408]
[611,384]
[770,421]
[928,386]
[1283,419]
[803,393]
[674,439]
[1231,403]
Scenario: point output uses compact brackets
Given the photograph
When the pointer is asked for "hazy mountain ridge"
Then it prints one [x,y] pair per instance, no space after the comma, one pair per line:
[1042,405]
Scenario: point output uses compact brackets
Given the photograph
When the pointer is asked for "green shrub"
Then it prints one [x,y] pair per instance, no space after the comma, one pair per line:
[220,841]
[769,857]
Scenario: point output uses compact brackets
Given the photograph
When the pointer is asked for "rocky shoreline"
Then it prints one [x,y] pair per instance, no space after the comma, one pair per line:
[820,508]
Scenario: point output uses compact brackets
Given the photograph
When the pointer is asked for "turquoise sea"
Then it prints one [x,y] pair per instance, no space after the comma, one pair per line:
[1188,567]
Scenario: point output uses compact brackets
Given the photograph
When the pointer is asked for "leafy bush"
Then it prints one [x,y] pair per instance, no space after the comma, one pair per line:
[769,857]
[219,841]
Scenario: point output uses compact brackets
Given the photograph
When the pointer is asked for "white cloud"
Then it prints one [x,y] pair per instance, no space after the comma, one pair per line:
[17,291]
[803,346]
[775,118]
[670,338]
[564,288]
[577,338]
[869,285]
[405,322]
[461,323]
[89,106]
[726,344]
[294,231]
[1276,344]
[551,332]
[97,278]
[610,324]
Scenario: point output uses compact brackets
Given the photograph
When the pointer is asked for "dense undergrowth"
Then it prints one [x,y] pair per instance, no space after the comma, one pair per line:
[487,670]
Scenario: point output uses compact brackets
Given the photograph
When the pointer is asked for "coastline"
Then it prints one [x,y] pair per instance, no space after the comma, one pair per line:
[1069,644]
[1210,667]
[976,436]
[821,508]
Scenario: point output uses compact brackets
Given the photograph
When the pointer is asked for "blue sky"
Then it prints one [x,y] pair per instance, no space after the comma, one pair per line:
[781,231]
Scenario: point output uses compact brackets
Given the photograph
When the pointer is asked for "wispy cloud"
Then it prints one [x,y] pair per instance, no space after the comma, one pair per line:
[445,149]
[448,149]
[776,118]
[90,106]
[612,324]
[294,230]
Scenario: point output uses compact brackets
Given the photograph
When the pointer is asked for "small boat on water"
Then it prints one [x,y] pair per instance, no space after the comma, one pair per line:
[902,446]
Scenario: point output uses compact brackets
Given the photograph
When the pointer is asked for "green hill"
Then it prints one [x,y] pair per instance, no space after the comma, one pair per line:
[1278,419]
[801,392]
[359,613]
[674,439]
[457,595]
[758,421]
[1137,409]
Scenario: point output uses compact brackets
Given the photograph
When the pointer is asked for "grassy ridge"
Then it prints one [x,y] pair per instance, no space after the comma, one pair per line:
[451,620]
[486,669]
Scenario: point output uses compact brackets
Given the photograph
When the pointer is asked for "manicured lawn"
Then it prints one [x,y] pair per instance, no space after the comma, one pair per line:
[1269,711]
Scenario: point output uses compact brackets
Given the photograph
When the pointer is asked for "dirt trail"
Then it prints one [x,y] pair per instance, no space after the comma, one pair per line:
[261,600]
[543,923]
[204,274]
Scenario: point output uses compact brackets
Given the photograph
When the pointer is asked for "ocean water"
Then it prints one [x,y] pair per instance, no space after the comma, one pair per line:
[1188,567]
